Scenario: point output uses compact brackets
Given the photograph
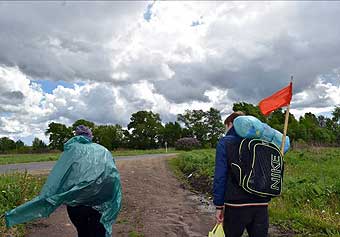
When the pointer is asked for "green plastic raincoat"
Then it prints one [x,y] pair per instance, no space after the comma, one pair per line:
[85,174]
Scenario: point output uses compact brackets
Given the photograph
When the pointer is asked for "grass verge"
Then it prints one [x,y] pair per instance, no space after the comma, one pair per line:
[310,203]
[17,188]
[26,158]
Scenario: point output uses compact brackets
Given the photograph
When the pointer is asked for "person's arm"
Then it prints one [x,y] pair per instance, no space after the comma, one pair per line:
[220,178]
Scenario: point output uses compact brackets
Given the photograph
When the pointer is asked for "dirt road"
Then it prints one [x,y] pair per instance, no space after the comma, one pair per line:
[154,204]
[42,166]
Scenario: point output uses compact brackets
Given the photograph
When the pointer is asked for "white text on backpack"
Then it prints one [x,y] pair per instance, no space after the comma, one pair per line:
[275,172]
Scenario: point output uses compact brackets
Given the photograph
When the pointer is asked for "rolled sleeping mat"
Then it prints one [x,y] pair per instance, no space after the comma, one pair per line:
[250,127]
[268,132]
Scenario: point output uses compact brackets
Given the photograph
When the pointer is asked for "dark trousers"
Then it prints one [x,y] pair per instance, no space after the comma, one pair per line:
[252,218]
[86,220]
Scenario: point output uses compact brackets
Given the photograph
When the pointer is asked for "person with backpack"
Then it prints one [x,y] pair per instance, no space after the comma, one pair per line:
[236,208]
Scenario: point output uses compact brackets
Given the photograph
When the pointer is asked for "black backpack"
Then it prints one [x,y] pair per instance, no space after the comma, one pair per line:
[258,168]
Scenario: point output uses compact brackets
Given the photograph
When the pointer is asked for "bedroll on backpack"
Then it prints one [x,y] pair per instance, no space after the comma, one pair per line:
[259,168]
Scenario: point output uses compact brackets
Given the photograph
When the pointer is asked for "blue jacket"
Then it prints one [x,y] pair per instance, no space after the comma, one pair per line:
[221,166]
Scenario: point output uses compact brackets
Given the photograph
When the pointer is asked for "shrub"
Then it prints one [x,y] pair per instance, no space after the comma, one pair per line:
[187,144]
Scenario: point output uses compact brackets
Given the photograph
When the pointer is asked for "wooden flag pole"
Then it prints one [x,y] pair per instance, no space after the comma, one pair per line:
[285,130]
[285,125]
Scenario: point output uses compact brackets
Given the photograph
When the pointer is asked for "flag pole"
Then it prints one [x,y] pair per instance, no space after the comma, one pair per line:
[285,125]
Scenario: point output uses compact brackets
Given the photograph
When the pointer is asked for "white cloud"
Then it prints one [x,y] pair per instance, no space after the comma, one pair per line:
[237,46]
[319,95]
[319,99]
[20,117]
[187,55]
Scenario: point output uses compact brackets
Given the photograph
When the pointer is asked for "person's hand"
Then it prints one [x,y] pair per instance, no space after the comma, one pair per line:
[219,216]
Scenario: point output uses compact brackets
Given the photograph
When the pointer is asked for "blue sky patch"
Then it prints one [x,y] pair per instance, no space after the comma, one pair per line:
[326,114]
[48,86]
[197,22]
[148,12]
[6,114]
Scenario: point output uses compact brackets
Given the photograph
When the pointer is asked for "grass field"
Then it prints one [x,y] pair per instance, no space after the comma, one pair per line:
[26,158]
[310,203]
[16,189]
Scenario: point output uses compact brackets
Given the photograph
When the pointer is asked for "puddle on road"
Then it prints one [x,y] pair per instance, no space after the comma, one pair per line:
[205,205]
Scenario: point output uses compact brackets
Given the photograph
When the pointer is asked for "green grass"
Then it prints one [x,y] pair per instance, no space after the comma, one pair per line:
[311,196]
[142,152]
[198,165]
[26,158]
[135,234]
[16,189]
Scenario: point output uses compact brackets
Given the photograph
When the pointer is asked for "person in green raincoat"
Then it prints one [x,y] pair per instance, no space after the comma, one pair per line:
[86,180]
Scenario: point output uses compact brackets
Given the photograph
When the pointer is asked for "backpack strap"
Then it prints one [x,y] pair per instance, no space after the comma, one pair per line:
[233,160]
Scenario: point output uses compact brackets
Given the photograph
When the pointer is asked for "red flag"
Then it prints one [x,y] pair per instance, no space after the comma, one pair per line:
[276,100]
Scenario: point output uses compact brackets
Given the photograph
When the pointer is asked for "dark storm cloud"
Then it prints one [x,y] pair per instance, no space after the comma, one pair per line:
[306,47]
[188,84]
[12,97]
[62,41]
[10,101]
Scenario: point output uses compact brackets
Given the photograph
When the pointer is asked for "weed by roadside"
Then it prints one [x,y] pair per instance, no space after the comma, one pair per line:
[17,188]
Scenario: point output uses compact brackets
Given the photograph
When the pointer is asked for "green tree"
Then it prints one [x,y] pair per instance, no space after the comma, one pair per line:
[84,122]
[19,144]
[215,126]
[206,127]
[309,128]
[145,129]
[277,119]
[336,129]
[38,145]
[6,144]
[171,133]
[309,123]
[322,136]
[110,136]
[336,114]
[249,109]
[21,148]
[195,122]
[126,139]
[187,132]
[322,121]
[58,134]
[293,128]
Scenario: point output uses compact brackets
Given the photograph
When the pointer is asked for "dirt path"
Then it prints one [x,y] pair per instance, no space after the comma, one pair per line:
[46,166]
[154,204]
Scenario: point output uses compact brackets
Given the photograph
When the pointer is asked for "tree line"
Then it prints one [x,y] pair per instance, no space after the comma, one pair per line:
[146,130]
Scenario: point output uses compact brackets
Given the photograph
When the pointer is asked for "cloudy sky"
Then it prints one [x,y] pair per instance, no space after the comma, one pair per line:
[103,61]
